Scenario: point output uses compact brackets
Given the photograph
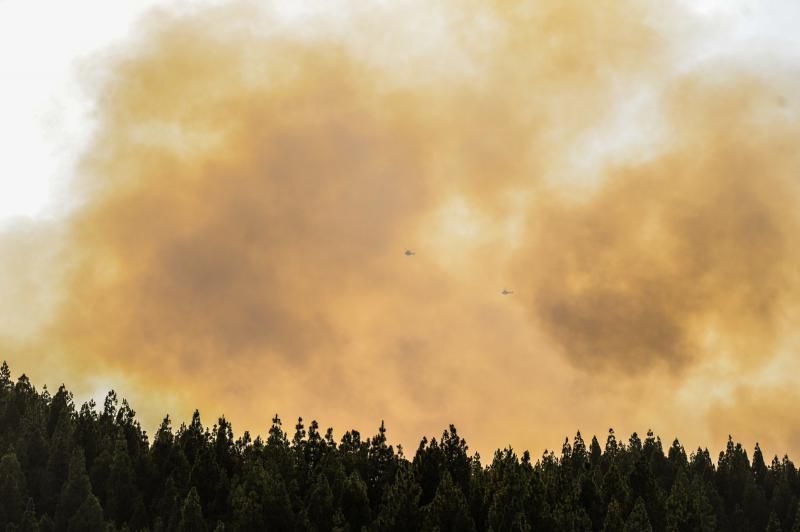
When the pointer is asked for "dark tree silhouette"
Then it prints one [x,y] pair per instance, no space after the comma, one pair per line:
[65,469]
[638,520]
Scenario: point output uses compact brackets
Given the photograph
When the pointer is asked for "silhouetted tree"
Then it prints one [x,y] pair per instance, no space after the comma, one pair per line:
[88,518]
[613,521]
[74,493]
[355,502]
[638,521]
[796,523]
[400,508]
[509,493]
[13,493]
[192,514]
[320,507]
[448,510]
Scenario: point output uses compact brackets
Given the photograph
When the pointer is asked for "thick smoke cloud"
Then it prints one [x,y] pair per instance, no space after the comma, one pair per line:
[690,253]
[245,203]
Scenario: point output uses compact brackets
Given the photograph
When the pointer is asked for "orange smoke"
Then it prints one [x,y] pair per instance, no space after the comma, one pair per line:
[246,200]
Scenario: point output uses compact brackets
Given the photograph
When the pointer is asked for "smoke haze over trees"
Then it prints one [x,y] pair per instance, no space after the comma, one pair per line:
[232,235]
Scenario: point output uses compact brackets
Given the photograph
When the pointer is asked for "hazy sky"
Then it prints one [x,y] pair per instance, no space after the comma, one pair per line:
[207,205]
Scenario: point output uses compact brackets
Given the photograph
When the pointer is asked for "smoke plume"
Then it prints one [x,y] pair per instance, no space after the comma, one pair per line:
[244,205]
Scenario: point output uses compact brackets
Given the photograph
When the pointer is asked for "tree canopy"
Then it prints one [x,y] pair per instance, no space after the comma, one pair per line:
[91,468]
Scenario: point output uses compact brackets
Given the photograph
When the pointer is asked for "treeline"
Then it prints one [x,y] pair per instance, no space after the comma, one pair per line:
[65,468]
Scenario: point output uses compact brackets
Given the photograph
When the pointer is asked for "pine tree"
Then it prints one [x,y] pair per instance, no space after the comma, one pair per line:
[677,455]
[509,492]
[595,453]
[702,516]
[75,491]
[260,501]
[613,521]
[5,377]
[428,464]
[615,487]
[638,520]
[355,502]
[796,524]
[634,446]
[100,469]
[566,452]
[591,500]
[320,504]
[13,492]
[399,509]
[759,467]
[122,492]
[247,510]
[277,504]
[88,518]
[580,455]
[456,457]
[678,504]
[192,519]
[211,482]
[277,436]
[168,506]
[611,445]
[448,511]
[382,465]
[60,450]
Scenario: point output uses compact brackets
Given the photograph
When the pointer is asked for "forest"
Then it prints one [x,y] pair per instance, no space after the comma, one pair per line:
[92,468]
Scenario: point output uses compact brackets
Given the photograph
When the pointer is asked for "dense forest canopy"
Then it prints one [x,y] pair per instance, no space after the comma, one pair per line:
[71,468]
